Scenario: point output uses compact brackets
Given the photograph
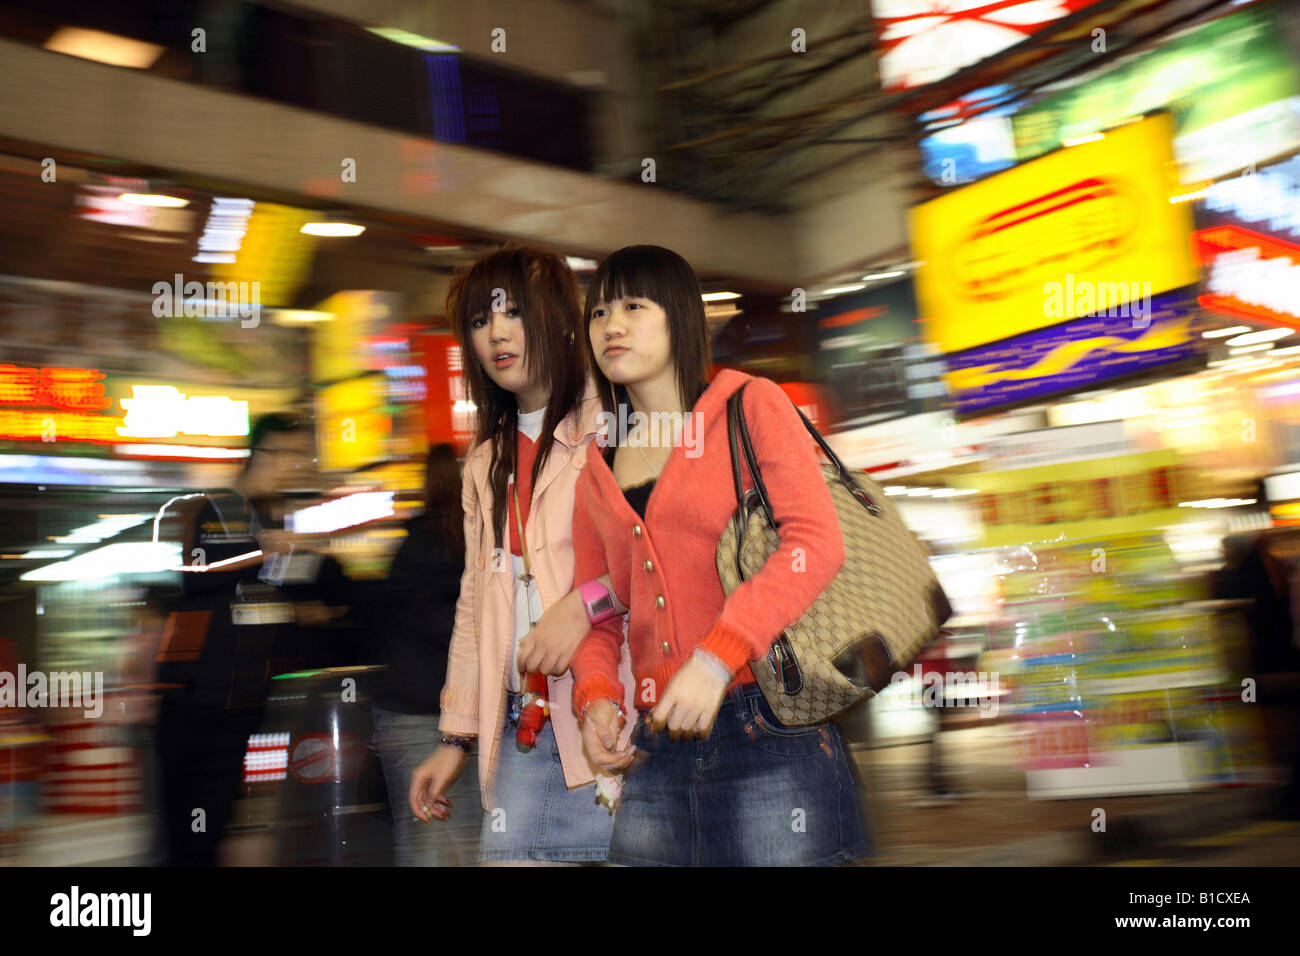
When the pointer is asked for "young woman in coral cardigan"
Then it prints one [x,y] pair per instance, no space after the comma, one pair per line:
[719,780]
[517,316]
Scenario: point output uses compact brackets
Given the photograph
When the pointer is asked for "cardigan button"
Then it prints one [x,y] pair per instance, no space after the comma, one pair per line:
[636,530]
[579,461]
[649,565]
[664,645]
[659,601]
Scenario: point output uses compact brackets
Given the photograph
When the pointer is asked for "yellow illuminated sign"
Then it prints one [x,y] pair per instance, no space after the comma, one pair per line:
[1073,233]
[353,427]
[1094,498]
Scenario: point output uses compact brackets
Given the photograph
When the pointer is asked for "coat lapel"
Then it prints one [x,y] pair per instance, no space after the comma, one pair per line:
[501,579]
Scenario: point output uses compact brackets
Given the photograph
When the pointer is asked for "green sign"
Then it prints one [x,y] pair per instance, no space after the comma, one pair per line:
[1211,74]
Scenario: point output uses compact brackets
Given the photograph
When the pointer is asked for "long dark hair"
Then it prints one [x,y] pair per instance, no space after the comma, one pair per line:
[442,496]
[665,278]
[543,287]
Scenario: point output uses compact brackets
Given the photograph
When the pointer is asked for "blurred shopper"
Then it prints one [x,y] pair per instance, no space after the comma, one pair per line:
[137,700]
[222,667]
[1262,567]
[412,635]
[516,312]
[722,781]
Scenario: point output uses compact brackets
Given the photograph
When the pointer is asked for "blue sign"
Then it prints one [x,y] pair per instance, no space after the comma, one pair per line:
[1074,355]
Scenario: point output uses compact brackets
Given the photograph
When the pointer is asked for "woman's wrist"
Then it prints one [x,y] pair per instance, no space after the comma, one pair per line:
[714,664]
[582,716]
[599,603]
[461,742]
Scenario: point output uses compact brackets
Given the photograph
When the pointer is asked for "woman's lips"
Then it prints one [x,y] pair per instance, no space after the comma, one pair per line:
[505,361]
[615,351]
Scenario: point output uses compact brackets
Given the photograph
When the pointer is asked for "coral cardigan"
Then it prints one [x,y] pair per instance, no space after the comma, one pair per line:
[474,697]
[664,568]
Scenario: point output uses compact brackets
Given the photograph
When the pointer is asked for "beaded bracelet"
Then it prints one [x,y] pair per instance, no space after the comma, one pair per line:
[463,744]
[582,717]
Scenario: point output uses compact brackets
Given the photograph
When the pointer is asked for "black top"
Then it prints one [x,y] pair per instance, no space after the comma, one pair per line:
[638,496]
[412,624]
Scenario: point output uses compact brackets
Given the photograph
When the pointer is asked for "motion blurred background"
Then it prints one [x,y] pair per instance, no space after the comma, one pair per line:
[1033,266]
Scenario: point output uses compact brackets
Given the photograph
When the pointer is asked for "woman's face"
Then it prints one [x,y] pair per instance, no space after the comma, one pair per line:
[501,348]
[629,337]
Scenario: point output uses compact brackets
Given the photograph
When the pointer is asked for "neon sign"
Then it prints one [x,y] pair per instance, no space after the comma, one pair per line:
[1251,275]
[70,405]
[161,411]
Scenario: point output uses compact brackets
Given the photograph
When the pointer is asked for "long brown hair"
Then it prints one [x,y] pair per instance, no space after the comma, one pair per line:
[665,278]
[442,496]
[543,287]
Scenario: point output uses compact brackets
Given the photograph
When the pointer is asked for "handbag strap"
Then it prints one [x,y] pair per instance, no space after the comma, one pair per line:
[737,427]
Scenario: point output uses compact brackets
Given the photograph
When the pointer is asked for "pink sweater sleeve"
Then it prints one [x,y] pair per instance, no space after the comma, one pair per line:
[595,662]
[812,549]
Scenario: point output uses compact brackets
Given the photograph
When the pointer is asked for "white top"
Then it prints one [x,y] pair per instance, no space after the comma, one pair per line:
[530,423]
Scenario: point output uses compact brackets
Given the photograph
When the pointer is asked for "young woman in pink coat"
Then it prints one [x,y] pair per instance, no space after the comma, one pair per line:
[517,315]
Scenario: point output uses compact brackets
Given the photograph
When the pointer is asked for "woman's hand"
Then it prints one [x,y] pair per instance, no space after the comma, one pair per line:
[690,702]
[600,732]
[549,647]
[431,780]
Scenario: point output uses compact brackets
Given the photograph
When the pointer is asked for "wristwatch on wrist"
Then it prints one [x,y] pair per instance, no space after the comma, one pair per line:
[463,744]
[598,601]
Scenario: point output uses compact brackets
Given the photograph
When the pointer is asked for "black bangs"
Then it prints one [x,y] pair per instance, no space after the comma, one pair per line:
[636,272]
[665,278]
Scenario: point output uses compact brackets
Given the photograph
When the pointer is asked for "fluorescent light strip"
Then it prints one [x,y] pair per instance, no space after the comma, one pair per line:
[180,451]
[217,565]
[332,229]
[104,47]
[139,557]
[1264,335]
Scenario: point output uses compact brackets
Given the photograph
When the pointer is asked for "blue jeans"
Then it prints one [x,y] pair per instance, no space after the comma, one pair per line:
[754,793]
[404,741]
[534,816]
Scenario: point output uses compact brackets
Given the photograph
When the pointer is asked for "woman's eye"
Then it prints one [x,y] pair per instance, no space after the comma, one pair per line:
[513,312]
[477,322]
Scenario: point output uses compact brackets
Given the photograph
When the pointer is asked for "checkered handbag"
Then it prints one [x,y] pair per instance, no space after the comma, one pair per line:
[872,620]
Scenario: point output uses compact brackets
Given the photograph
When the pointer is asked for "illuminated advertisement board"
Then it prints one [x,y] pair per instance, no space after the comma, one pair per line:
[923,41]
[1232,85]
[1080,231]
[1249,244]
[1071,356]
[68,409]
[872,359]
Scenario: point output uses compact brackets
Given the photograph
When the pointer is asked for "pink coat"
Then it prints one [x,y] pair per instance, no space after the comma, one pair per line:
[474,697]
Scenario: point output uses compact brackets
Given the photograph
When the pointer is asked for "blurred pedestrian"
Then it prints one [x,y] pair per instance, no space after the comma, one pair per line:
[411,628]
[222,667]
[1262,567]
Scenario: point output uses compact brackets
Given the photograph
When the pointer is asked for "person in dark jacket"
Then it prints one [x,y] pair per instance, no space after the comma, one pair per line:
[412,633]
[1262,567]
[220,668]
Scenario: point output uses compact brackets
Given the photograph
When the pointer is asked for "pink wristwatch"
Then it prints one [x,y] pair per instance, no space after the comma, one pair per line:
[598,601]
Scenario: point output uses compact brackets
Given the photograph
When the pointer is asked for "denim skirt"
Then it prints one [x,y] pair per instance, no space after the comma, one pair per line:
[533,816]
[754,793]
